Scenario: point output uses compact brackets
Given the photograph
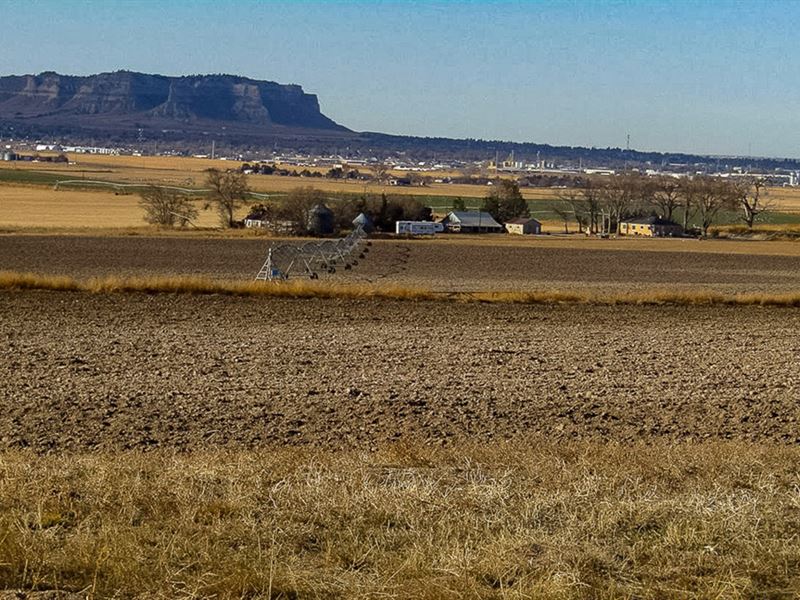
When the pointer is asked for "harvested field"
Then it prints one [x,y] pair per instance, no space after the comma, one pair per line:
[191,172]
[135,371]
[32,207]
[442,265]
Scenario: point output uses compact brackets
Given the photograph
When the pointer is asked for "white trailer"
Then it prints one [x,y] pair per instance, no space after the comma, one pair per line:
[418,227]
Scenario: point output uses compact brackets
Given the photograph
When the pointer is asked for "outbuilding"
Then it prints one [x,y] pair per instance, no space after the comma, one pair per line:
[461,221]
[523,226]
[320,220]
[650,227]
[363,221]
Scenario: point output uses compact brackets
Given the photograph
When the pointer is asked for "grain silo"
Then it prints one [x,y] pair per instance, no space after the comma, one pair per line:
[320,220]
[363,221]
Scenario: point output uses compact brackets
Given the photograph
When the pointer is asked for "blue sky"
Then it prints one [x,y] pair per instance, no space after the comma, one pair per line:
[711,77]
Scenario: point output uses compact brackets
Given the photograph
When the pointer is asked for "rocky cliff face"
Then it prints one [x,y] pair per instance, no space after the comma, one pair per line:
[118,98]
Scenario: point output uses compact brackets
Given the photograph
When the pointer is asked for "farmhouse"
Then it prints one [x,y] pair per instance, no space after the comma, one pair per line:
[259,219]
[256,219]
[523,226]
[459,221]
[650,227]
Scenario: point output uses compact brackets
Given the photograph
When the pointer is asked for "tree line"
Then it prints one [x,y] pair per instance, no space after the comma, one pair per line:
[227,192]
[601,204]
[596,205]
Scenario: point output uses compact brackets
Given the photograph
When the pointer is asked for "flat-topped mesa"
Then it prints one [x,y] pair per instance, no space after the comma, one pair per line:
[124,95]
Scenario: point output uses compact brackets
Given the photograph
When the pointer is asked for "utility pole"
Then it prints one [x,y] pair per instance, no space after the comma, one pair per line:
[628,143]
[213,149]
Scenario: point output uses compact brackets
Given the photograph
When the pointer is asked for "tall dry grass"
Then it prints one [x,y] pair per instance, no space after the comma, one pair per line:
[539,521]
[299,288]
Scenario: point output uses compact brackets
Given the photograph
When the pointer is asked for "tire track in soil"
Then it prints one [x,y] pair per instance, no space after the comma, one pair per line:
[392,259]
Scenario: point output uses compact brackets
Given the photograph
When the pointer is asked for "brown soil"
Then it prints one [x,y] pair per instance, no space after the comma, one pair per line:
[442,265]
[82,371]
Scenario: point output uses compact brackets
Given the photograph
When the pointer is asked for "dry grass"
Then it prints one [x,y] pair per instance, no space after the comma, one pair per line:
[411,522]
[11,280]
[653,297]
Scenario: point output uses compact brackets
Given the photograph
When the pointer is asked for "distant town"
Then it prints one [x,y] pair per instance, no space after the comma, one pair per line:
[539,171]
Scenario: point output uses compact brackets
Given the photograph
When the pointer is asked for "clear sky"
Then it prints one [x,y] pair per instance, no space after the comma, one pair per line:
[705,77]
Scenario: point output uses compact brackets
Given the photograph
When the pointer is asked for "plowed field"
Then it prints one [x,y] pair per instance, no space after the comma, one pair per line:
[85,371]
[455,264]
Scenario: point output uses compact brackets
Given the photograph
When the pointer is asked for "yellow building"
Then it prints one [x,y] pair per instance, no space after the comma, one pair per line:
[650,227]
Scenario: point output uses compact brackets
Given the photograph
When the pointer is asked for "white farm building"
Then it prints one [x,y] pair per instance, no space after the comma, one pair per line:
[461,221]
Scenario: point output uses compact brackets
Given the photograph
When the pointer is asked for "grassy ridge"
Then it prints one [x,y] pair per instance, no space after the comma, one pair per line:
[11,280]
[532,521]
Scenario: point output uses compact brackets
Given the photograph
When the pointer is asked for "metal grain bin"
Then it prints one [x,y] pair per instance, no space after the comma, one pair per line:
[364,222]
[320,220]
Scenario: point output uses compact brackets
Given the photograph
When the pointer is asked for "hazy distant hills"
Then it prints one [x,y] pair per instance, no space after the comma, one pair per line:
[122,103]
[186,113]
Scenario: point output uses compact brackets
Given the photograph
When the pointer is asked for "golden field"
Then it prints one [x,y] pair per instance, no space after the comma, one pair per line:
[189,172]
[43,208]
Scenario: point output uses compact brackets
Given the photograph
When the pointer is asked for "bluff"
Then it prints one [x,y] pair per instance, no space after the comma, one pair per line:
[126,102]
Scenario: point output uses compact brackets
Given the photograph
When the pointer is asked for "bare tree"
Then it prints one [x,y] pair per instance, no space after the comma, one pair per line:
[666,196]
[566,213]
[625,196]
[710,196]
[751,197]
[166,208]
[228,191]
[688,200]
[296,206]
[381,171]
[585,202]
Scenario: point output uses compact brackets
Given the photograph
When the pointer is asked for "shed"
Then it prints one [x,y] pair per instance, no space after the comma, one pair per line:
[524,226]
[460,221]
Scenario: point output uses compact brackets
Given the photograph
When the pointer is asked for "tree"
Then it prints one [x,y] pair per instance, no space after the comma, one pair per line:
[687,195]
[459,204]
[166,208]
[228,189]
[750,196]
[710,196]
[506,202]
[564,210]
[624,196]
[381,172]
[585,202]
[297,205]
[666,196]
